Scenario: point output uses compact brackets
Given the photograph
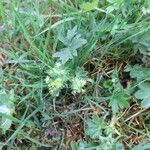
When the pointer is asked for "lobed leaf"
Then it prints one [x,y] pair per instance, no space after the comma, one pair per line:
[144,94]
[73,42]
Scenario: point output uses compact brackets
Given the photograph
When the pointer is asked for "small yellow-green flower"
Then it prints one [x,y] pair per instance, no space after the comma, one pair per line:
[57,83]
[56,79]
[78,85]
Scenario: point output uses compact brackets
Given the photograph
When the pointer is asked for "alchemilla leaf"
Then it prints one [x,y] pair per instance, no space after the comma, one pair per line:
[71,33]
[118,100]
[73,42]
[95,126]
[6,108]
[139,73]
[144,94]
[120,96]
[64,55]
[142,42]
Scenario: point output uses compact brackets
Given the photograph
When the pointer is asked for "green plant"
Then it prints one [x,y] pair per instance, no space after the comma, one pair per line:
[95,127]
[119,96]
[142,76]
[98,130]
[142,42]
[60,77]
[73,42]
[144,94]
[7,109]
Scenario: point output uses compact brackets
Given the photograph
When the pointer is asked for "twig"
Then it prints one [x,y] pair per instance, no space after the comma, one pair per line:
[134,115]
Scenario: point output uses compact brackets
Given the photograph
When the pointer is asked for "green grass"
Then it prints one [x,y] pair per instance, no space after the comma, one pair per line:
[101,102]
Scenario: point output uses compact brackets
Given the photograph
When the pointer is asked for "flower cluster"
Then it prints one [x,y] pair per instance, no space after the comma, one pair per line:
[60,77]
[57,78]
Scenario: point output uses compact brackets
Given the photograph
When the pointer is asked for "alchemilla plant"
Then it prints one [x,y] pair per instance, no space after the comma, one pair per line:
[60,77]
[6,108]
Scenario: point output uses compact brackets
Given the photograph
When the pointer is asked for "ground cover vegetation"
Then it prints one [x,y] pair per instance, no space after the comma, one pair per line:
[75,74]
